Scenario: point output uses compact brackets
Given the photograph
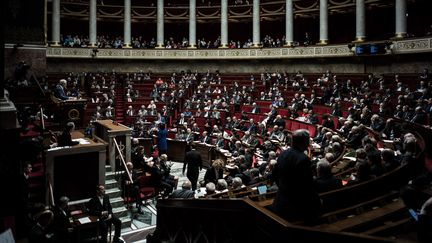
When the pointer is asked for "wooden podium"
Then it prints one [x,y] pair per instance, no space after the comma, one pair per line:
[206,152]
[176,150]
[75,171]
[108,130]
[69,111]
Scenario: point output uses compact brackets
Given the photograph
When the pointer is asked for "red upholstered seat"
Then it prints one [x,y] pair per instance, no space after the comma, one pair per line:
[147,190]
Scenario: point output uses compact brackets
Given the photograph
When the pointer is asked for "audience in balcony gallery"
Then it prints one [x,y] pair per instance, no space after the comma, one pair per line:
[107,41]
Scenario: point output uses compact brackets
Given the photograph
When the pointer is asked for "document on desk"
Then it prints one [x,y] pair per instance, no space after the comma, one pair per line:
[84,220]
[81,141]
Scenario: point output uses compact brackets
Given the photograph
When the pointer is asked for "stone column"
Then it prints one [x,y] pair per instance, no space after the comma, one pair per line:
[256,24]
[93,24]
[192,23]
[401,21]
[127,23]
[55,32]
[160,24]
[360,21]
[224,23]
[323,23]
[289,23]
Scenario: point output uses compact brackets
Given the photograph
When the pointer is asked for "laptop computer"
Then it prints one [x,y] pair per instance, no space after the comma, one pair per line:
[262,189]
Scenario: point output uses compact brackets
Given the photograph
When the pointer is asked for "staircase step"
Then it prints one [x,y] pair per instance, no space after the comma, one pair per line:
[112,183]
[113,192]
[117,202]
[110,175]
[120,212]
[126,222]
[107,168]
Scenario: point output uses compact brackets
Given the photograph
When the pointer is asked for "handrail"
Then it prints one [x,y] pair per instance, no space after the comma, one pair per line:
[122,159]
[50,194]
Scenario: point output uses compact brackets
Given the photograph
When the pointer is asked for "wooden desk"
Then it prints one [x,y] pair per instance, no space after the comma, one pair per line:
[108,131]
[79,227]
[176,150]
[206,152]
[74,171]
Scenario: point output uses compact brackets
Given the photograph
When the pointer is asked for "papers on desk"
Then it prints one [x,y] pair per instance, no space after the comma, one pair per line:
[81,141]
[58,148]
[84,220]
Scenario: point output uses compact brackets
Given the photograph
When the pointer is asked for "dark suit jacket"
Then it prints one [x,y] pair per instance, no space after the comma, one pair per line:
[65,139]
[210,175]
[182,193]
[60,93]
[96,208]
[256,110]
[206,140]
[297,198]
[193,161]
[61,224]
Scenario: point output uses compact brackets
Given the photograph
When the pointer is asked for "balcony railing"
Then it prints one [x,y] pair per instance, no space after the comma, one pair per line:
[404,46]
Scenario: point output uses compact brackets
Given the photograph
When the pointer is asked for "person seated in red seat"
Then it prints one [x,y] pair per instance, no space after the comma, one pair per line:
[185,192]
[159,82]
[325,181]
[130,188]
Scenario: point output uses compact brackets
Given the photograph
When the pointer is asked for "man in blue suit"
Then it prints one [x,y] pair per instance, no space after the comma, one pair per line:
[60,90]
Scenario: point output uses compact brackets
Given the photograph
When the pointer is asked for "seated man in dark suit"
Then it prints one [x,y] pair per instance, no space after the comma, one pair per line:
[100,206]
[184,192]
[59,91]
[62,225]
[65,138]
[131,188]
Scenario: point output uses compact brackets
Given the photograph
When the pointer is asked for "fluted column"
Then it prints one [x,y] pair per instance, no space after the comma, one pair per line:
[224,23]
[360,21]
[323,22]
[127,23]
[55,38]
[289,23]
[401,21]
[256,24]
[160,24]
[192,23]
[93,24]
